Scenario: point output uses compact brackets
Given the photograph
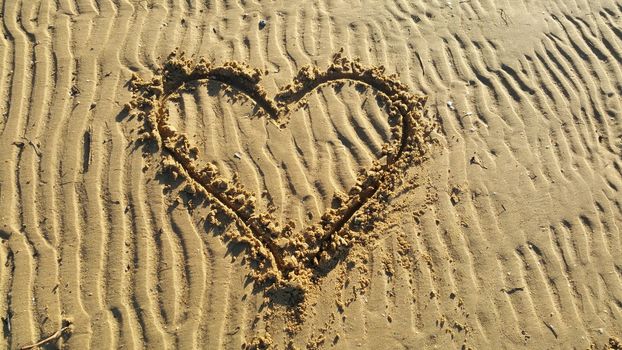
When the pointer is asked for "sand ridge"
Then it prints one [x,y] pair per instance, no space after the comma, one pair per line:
[285,257]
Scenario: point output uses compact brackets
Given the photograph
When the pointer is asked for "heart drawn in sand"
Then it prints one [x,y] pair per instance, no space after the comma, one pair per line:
[281,254]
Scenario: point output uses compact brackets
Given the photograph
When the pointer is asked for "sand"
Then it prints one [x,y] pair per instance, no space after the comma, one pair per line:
[311,174]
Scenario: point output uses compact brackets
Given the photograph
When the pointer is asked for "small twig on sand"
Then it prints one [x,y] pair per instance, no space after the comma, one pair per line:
[504,16]
[54,336]
[550,327]
[474,160]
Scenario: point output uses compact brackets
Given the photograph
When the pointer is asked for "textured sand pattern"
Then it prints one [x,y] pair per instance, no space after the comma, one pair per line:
[519,248]
[290,256]
[257,151]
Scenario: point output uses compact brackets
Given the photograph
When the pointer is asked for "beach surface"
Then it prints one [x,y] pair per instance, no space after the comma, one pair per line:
[459,188]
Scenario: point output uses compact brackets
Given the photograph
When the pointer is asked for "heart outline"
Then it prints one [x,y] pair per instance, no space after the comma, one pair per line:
[260,231]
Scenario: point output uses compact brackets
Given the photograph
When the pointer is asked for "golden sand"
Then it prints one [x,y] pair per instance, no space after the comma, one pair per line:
[311,174]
